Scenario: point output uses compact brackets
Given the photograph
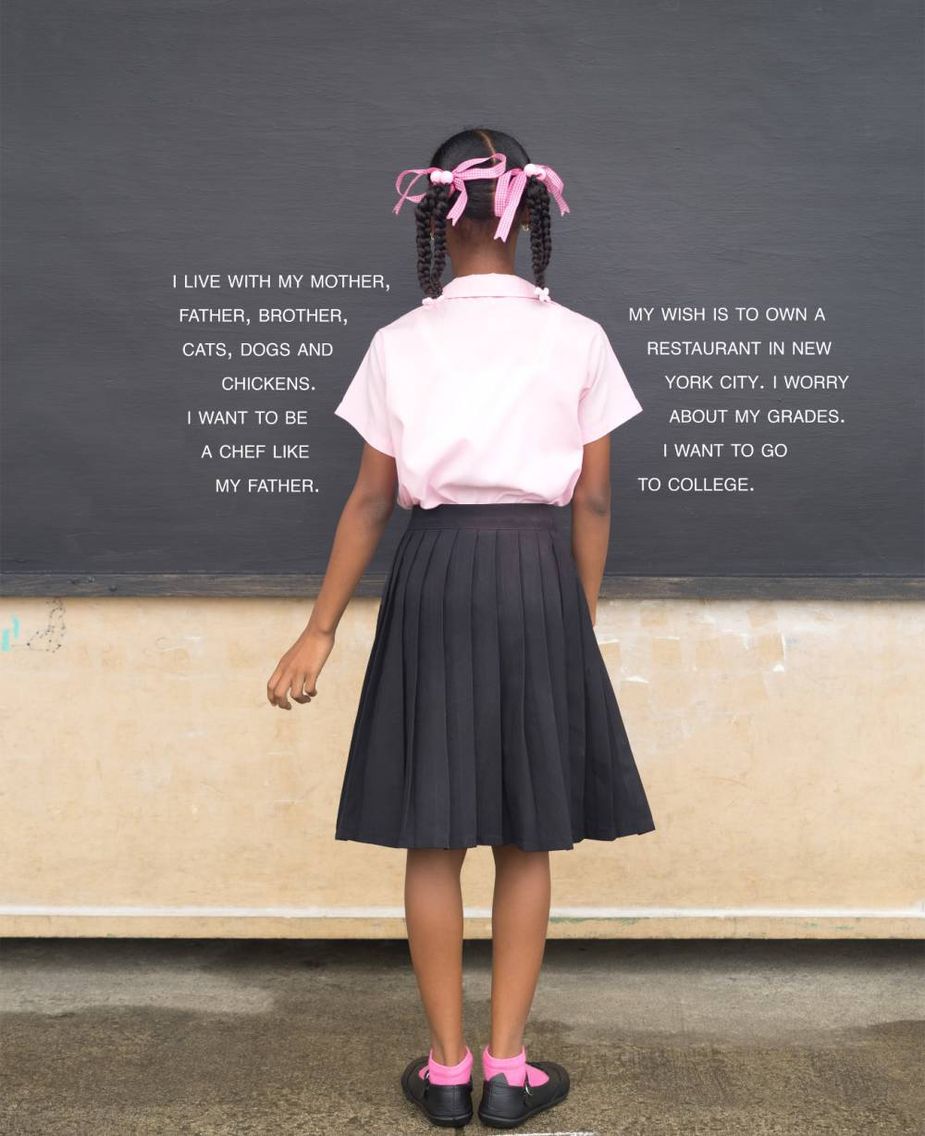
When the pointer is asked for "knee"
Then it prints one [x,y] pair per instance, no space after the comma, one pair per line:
[504,853]
[437,859]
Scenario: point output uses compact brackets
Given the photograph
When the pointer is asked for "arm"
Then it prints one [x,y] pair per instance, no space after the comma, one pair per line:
[362,522]
[606,402]
[591,518]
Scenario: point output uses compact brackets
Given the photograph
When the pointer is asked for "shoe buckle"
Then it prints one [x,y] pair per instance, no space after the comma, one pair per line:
[527,1090]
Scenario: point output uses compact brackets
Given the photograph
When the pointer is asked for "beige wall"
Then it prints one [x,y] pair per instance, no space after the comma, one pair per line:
[149,789]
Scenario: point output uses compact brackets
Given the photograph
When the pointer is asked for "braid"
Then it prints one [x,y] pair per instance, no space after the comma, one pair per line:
[433,207]
[536,196]
[422,213]
[441,208]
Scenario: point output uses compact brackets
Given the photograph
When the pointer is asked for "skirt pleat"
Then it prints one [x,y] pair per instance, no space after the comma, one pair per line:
[486,713]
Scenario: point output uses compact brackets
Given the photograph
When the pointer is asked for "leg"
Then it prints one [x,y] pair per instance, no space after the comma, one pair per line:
[434,918]
[519,919]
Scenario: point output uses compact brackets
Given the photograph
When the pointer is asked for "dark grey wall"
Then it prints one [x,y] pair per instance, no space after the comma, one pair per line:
[719,153]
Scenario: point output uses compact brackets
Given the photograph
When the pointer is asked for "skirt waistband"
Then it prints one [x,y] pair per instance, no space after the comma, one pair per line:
[504,515]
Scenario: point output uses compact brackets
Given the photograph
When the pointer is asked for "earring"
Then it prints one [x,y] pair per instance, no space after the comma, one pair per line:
[526,228]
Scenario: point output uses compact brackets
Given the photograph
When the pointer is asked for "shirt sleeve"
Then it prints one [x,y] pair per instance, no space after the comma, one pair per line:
[607,399]
[364,403]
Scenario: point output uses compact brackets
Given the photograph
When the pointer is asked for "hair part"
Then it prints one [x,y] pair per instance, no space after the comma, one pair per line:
[478,219]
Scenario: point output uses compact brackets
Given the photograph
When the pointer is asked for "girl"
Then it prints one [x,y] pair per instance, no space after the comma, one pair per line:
[486,714]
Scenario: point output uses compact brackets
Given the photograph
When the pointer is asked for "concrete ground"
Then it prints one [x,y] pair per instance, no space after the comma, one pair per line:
[196,1038]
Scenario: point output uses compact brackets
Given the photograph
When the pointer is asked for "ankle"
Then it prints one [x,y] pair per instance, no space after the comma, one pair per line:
[449,1054]
[505,1049]
[443,1073]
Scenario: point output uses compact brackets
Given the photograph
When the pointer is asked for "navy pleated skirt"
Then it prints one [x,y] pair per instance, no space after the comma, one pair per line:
[486,714]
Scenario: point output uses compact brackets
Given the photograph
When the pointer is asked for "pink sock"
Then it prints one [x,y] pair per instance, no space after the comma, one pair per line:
[439,1074]
[514,1068]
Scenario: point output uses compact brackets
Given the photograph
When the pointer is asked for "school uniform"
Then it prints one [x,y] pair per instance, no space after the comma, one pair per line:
[486,713]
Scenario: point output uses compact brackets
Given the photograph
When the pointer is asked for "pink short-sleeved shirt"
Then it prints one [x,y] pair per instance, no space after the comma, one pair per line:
[488,394]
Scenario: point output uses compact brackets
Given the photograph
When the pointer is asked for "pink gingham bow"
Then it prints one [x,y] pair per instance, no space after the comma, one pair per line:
[456,179]
[510,188]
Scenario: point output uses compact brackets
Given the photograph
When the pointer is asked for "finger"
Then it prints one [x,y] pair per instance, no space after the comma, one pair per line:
[298,689]
[279,694]
[271,686]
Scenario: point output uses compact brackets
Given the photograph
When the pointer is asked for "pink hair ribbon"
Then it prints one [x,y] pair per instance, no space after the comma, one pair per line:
[455,178]
[510,188]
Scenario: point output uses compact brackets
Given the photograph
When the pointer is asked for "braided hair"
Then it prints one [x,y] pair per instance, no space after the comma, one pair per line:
[478,217]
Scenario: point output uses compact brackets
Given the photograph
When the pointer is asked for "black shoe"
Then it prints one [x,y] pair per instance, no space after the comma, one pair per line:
[449,1106]
[505,1106]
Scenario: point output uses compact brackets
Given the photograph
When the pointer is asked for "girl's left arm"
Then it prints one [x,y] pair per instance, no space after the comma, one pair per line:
[591,503]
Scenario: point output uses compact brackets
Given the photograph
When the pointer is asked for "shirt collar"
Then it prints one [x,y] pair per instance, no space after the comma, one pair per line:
[489,284]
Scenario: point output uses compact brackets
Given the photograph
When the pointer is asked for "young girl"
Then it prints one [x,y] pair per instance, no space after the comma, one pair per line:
[486,715]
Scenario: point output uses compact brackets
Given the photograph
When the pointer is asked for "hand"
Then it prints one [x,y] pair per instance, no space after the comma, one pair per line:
[299,668]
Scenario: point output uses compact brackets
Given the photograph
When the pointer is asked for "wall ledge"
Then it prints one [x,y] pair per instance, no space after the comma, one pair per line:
[382,922]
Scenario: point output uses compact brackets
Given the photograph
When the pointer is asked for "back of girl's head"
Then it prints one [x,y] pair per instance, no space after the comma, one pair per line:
[478,221]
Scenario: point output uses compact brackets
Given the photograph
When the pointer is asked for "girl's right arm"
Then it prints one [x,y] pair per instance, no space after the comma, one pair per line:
[359,530]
